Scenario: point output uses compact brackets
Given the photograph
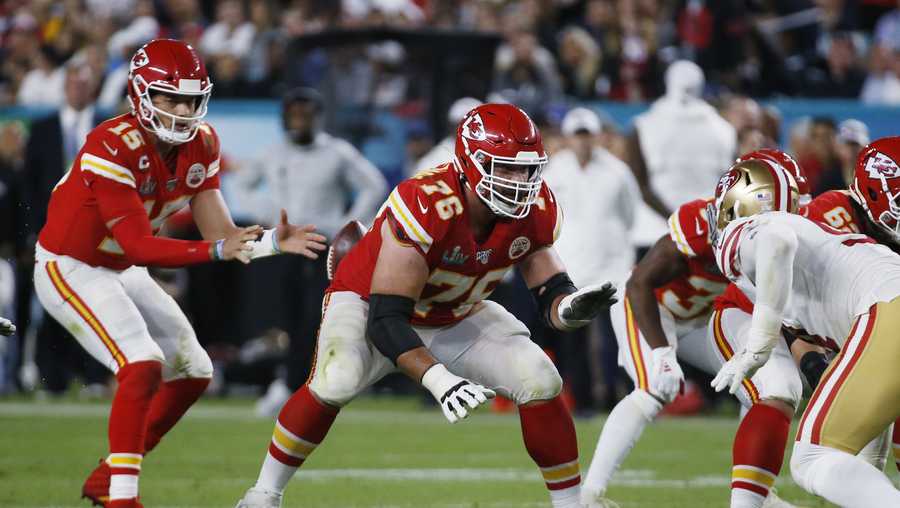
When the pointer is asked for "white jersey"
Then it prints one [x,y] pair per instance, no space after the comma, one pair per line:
[836,275]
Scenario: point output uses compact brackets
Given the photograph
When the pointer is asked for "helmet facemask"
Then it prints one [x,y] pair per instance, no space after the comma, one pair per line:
[505,196]
[156,120]
[889,219]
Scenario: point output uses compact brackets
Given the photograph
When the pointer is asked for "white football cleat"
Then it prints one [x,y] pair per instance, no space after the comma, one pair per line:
[773,501]
[596,500]
[258,497]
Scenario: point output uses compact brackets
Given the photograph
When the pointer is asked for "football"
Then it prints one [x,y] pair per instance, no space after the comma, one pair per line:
[347,237]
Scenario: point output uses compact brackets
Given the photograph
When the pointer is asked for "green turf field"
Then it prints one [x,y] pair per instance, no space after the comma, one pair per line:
[380,453]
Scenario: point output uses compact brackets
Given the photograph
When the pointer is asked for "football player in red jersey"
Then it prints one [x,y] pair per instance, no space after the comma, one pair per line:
[411,297]
[134,171]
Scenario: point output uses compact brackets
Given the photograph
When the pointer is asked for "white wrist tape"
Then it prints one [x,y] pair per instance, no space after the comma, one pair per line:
[267,245]
[438,380]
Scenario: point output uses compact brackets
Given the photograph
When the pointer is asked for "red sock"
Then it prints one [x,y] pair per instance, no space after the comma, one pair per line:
[301,426]
[549,436]
[895,443]
[759,449]
[168,406]
[138,383]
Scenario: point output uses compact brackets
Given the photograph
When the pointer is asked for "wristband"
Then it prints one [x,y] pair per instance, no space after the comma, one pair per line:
[218,250]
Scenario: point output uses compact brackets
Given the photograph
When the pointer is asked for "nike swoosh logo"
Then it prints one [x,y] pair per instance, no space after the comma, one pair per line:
[699,229]
[113,152]
[424,209]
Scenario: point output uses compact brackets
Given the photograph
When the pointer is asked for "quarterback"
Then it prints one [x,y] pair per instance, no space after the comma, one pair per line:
[411,297]
[133,172]
[825,282]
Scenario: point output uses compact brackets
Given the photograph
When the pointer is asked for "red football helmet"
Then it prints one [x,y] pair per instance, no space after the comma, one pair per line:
[876,185]
[500,154]
[787,162]
[172,67]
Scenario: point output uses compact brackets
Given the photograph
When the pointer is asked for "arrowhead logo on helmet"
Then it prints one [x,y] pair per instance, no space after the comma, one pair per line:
[880,164]
[473,128]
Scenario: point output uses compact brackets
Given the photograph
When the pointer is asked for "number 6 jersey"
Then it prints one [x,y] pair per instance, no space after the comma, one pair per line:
[428,212]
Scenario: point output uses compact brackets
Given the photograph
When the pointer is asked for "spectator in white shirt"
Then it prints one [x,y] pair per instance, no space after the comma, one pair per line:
[678,149]
[231,35]
[599,197]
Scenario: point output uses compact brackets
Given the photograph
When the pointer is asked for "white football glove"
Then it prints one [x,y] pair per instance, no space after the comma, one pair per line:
[741,366]
[454,393]
[7,328]
[667,374]
[581,307]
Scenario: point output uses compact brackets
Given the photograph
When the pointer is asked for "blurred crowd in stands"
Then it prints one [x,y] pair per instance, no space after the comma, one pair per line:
[588,49]
[71,57]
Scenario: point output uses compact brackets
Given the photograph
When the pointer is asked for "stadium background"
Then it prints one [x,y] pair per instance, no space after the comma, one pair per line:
[388,71]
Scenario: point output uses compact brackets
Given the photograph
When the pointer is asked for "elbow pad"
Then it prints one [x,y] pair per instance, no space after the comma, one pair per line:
[813,365]
[388,326]
[559,284]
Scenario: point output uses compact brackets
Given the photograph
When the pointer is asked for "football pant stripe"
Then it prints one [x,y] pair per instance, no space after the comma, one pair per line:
[71,297]
[817,408]
[634,345]
[727,352]
[844,368]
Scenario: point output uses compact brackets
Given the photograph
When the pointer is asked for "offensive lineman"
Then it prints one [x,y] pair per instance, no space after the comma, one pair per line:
[133,172]
[811,276]
[410,296]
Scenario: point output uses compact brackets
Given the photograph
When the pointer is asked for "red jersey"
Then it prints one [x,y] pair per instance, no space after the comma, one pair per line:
[834,208]
[692,295]
[429,212]
[119,150]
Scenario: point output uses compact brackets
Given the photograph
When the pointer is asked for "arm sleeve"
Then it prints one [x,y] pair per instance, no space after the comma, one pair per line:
[132,230]
[366,181]
[768,253]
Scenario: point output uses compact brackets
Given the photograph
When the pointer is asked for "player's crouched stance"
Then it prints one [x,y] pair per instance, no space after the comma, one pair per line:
[410,296]
[811,276]
[134,171]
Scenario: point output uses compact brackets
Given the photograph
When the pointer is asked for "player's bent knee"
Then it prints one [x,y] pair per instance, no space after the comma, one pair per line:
[541,381]
[804,460]
[338,377]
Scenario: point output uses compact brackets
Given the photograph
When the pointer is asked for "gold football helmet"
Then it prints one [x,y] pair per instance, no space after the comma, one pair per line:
[750,187]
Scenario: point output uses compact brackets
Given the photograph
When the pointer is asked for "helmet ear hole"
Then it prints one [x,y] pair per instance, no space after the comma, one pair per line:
[873,195]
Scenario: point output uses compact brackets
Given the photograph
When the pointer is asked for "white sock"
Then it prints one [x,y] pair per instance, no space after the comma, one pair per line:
[621,431]
[566,498]
[845,480]
[274,475]
[123,486]
[741,498]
